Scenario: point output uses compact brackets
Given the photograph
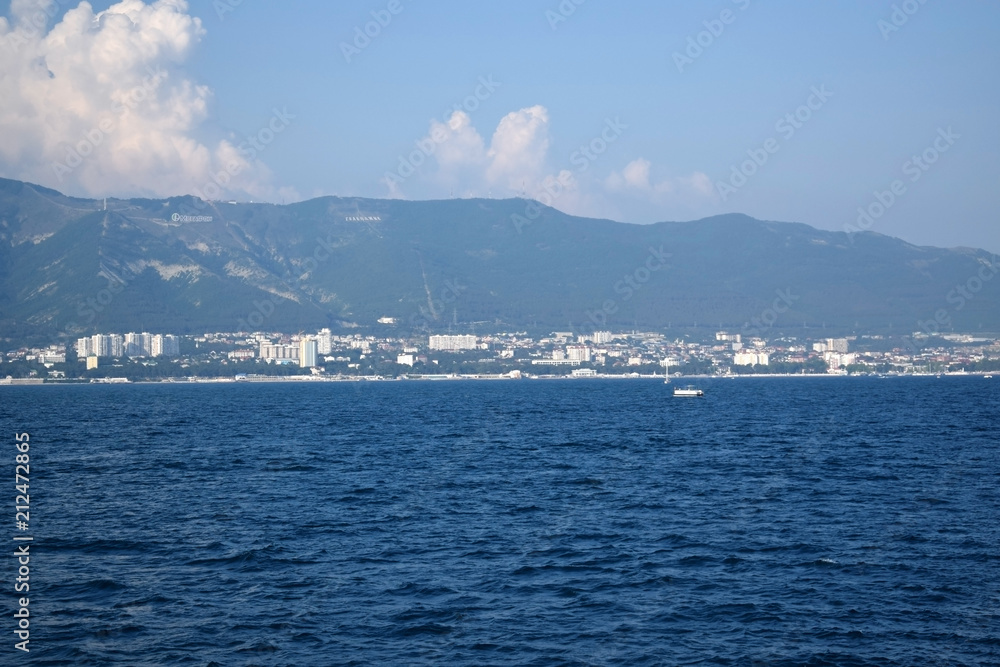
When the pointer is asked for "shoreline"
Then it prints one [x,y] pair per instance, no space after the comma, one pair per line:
[277,379]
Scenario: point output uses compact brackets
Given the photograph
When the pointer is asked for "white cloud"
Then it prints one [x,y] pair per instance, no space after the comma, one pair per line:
[97,104]
[517,156]
[635,175]
[699,184]
[459,144]
[453,157]
[635,178]
[519,148]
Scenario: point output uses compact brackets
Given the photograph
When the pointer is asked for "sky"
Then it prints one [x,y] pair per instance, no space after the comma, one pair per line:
[858,115]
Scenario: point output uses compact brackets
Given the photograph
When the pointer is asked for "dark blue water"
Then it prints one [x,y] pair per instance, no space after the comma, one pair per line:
[775,521]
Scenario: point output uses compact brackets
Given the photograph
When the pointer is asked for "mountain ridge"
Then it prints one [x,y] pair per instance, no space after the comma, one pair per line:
[69,267]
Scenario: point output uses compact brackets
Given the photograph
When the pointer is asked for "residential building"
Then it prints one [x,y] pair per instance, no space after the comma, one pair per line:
[83,348]
[751,359]
[307,353]
[277,352]
[837,345]
[324,342]
[452,343]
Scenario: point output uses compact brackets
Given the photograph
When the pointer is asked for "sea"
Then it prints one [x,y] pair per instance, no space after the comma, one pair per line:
[774,521]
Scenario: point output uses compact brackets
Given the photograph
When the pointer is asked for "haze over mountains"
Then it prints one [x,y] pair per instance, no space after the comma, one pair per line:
[69,267]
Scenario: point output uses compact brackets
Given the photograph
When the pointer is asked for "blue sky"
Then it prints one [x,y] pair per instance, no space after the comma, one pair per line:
[666,122]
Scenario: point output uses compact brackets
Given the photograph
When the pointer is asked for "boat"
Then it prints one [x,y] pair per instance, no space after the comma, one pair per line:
[988,377]
[688,391]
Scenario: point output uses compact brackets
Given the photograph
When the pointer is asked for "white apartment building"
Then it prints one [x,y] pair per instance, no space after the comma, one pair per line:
[452,343]
[307,353]
[751,359]
[129,345]
[324,341]
[832,345]
[277,352]
[836,360]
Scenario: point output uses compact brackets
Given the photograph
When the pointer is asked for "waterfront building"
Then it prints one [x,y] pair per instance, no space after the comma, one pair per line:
[324,342]
[452,343]
[751,359]
[307,353]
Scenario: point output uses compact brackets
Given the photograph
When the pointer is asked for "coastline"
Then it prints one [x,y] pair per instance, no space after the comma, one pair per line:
[34,382]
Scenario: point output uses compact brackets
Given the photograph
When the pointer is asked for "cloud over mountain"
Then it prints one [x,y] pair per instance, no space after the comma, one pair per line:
[98,103]
[454,157]
[635,178]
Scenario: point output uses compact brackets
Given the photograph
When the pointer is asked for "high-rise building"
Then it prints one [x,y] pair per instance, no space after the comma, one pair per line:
[130,345]
[307,353]
[324,342]
[83,348]
[831,345]
[453,343]
[578,353]
[107,345]
[837,345]
[133,345]
[171,345]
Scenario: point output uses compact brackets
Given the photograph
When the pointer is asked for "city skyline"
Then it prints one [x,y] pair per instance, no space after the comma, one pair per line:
[517,355]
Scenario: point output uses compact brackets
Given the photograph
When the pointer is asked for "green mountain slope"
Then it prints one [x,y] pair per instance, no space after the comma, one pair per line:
[70,267]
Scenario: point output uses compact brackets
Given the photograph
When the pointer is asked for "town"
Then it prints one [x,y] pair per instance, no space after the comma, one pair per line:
[324,355]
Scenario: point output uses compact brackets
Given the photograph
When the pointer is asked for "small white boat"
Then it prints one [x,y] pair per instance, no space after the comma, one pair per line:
[988,377]
[688,391]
